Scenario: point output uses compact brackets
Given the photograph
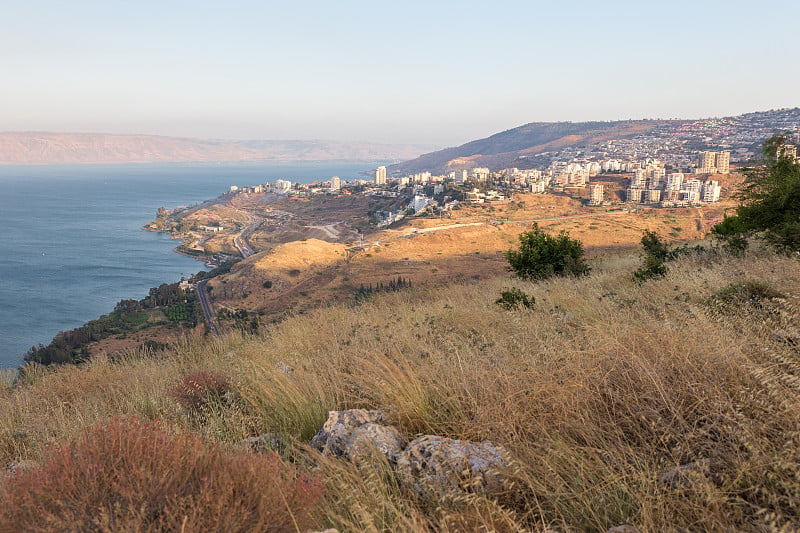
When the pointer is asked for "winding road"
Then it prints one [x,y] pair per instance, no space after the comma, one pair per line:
[208,311]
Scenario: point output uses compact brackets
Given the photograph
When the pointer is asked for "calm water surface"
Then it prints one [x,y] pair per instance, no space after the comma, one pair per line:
[72,243]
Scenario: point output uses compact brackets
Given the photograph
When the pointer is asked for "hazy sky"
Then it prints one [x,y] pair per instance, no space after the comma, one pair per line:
[399,71]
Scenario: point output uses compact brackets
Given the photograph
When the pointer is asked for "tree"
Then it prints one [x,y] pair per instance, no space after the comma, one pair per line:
[769,200]
[541,255]
[656,254]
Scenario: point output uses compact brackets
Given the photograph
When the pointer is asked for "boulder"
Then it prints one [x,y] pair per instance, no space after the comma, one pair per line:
[685,475]
[15,468]
[268,442]
[436,468]
[356,432]
[624,528]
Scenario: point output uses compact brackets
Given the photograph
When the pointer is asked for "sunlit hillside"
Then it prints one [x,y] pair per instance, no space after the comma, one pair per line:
[667,405]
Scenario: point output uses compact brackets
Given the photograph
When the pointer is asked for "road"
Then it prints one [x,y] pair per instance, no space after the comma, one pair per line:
[208,311]
[240,241]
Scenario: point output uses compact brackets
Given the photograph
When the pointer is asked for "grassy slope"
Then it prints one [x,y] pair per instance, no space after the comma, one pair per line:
[598,389]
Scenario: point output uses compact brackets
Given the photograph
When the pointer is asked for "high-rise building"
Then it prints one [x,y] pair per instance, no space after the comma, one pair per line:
[639,178]
[380,176]
[711,190]
[595,194]
[336,183]
[283,186]
[722,160]
[706,163]
[674,181]
[635,195]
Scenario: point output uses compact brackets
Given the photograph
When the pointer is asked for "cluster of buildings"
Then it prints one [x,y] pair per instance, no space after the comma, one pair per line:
[652,181]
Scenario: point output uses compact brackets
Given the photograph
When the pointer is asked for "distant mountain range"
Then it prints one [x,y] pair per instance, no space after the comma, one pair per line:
[543,142]
[21,148]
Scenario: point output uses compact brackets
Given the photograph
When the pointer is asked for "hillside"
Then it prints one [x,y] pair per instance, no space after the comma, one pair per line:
[538,143]
[23,148]
[670,405]
[512,147]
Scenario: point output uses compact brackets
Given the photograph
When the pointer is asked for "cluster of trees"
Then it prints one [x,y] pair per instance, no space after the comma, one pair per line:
[241,319]
[70,346]
[393,285]
[769,202]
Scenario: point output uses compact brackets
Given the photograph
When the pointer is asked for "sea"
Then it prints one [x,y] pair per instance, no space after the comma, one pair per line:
[73,244]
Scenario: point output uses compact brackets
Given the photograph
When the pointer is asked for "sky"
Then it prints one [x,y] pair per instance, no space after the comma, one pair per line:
[427,72]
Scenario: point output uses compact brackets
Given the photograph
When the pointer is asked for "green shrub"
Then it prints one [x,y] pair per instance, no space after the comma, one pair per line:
[745,292]
[267,284]
[540,256]
[515,299]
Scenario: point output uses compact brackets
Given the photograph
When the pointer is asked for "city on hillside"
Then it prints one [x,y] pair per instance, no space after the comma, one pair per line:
[663,175]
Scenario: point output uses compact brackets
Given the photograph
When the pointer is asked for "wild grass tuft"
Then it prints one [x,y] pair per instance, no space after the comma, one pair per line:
[129,475]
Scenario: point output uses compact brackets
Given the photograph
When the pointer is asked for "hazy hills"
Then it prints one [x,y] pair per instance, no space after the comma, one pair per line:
[21,148]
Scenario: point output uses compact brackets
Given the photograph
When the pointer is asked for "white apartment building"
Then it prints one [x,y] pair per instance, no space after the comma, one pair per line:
[336,183]
[722,160]
[653,196]
[537,186]
[635,195]
[711,190]
[674,181]
[380,176]
[480,174]
[595,194]
[639,179]
[706,162]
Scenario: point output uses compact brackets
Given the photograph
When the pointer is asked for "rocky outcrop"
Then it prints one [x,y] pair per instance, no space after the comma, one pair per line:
[434,467]
[268,442]
[356,432]
[431,467]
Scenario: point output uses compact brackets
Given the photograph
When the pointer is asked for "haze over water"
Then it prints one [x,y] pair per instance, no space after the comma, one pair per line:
[73,244]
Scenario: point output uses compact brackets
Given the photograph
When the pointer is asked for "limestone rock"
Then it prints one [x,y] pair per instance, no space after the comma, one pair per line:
[354,432]
[265,443]
[15,468]
[685,475]
[624,528]
[434,467]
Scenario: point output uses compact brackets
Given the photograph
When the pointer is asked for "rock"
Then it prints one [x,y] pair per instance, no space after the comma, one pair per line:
[21,466]
[684,475]
[434,467]
[355,432]
[268,442]
[624,528]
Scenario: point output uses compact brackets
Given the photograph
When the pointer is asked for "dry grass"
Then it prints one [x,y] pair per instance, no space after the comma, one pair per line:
[599,392]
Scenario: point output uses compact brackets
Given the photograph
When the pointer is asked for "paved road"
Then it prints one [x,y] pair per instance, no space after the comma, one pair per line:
[208,311]
[240,241]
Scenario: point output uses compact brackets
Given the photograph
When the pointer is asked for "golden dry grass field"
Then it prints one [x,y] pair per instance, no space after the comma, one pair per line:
[598,392]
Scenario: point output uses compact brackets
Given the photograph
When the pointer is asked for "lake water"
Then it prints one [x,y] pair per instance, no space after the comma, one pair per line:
[72,243]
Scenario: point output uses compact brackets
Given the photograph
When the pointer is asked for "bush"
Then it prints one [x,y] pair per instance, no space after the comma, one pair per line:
[745,292]
[656,255]
[201,391]
[133,476]
[515,299]
[540,256]
[267,284]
